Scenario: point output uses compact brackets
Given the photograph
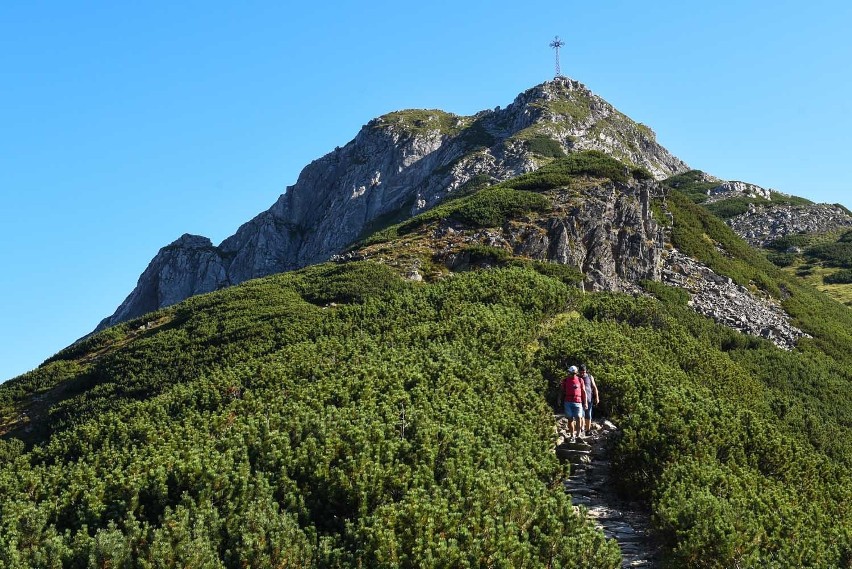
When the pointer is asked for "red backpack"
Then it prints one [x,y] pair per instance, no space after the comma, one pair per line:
[572,388]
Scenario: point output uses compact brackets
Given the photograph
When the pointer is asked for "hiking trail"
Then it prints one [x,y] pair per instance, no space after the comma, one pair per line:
[590,488]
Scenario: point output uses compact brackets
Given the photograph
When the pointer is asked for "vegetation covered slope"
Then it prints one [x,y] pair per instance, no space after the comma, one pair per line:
[823,259]
[343,416]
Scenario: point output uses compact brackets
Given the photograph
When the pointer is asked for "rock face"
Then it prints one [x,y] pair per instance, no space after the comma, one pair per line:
[397,166]
[762,225]
[736,189]
[609,235]
[726,302]
[189,266]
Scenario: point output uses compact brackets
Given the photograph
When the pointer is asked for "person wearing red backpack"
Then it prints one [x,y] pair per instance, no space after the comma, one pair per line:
[573,395]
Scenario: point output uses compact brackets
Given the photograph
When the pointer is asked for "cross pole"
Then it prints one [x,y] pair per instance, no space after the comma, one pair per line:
[556,44]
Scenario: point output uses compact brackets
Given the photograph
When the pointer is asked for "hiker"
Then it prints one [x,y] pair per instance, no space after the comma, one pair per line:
[591,397]
[573,394]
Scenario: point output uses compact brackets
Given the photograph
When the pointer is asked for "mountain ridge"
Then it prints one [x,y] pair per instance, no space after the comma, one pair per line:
[397,165]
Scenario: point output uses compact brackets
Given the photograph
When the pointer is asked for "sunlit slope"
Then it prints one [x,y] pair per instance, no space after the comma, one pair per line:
[343,415]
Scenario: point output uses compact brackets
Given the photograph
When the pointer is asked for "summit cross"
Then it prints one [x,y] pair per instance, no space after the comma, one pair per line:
[556,44]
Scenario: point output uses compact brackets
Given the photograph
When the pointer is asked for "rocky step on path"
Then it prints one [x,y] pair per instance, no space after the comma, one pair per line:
[590,488]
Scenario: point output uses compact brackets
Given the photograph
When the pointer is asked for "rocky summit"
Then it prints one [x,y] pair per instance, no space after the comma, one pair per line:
[397,165]
[408,162]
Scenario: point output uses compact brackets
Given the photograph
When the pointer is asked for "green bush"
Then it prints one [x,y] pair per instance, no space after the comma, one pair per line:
[843,276]
[409,425]
[691,184]
[487,254]
[565,273]
[668,294]
[837,254]
[545,146]
[731,207]
[586,163]
[487,208]
[782,259]
[778,198]
[800,240]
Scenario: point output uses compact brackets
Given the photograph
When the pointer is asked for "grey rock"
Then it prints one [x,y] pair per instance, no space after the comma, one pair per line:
[728,303]
[609,235]
[762,225]
[190,265]
[734,189]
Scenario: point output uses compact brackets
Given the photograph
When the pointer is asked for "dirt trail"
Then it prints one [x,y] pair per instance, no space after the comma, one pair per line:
[589,487]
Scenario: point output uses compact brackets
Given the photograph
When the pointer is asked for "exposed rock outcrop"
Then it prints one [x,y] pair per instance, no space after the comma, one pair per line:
[762,225]
[736,189]
[190,265]
[398,165]
[726,302]
[608,234]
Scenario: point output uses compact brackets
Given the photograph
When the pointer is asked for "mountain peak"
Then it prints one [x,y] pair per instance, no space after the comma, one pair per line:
[190,241]
[398,165]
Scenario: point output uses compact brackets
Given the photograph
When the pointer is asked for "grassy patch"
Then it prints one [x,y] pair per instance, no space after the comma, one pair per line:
[421,121]
[573,105]
[782,259]
[691,184]
[545,146]
[778,198]
[486,208]
[560,172]
[475,137]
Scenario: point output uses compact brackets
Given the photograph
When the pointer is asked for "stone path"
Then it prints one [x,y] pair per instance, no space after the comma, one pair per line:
[590,488]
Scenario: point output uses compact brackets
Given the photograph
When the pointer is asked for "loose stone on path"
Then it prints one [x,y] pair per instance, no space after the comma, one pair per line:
[590,488]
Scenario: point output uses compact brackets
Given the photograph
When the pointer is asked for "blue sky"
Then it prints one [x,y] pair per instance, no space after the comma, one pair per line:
[123,127]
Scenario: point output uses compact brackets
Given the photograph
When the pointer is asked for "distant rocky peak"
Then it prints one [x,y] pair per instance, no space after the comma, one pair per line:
[567,111]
